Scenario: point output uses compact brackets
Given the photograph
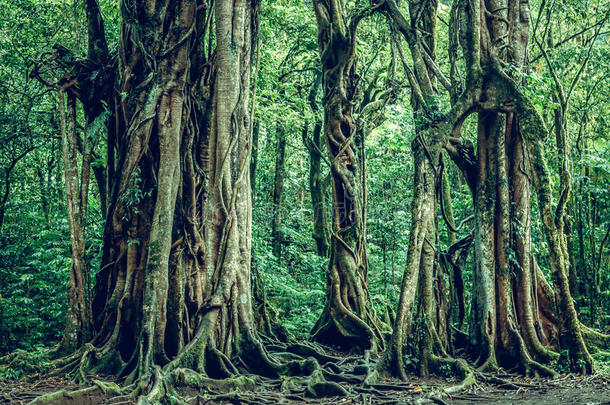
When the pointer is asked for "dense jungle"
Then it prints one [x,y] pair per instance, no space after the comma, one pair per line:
[304,202]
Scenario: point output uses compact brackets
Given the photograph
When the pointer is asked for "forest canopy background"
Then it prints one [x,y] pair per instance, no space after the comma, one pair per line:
[292,204]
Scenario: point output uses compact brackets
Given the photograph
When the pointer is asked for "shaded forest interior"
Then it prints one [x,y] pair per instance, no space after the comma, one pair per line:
[248,201]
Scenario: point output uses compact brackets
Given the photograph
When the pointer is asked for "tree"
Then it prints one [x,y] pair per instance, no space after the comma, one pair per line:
[317,184]
[175,110]
[278,188]
[433,128]
[78,319]
[348,316]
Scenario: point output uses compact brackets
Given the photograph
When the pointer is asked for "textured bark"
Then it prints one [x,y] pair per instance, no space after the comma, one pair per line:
[135,295]
[505,301]
[483,331]
[175,288]
[77,330]
[348,319]
[527,299]
[514,315]
[433,128]
[570,335]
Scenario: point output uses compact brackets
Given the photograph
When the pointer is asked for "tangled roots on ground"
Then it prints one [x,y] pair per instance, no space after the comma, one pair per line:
[293,370]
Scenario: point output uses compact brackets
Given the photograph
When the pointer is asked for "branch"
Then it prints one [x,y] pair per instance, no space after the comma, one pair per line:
[584,63]
[364,12]
[436,70]
[570,37]
[98,46]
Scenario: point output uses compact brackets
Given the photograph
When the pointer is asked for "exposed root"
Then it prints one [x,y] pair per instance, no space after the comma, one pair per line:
[391,363]
[86,396]
[535,369]
[266,375]
[490,364]
[183,377]
[307,349]
[500,382]
[595,341]
[345,330]
[459,367]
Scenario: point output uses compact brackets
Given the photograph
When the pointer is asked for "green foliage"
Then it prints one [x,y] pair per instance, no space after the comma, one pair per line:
[33,278]
[34,240]
[602,362]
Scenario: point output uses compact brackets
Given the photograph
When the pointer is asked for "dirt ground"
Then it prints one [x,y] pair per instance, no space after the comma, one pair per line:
[564,390]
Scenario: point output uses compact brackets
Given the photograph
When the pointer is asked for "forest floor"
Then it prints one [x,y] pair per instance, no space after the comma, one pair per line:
[564,390]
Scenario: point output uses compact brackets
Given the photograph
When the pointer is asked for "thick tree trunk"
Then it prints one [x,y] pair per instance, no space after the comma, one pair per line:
[483,330]
[527,299]
[570,336]
[348,319]
[504,306]
[507,330]
[176,267]
[134,284]
[422,274]
[174,290]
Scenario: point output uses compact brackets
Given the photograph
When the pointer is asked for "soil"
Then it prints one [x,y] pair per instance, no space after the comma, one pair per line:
[564,390]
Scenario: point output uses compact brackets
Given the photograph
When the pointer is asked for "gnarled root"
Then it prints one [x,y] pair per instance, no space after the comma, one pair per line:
[342,328]
[458,367]
[594,340]
[85,396]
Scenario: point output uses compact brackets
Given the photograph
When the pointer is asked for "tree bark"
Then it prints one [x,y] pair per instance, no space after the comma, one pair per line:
[433,128]
[348,319]
[77,329]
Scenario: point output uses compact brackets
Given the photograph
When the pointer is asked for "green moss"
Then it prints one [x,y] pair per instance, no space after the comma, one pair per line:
[108,388]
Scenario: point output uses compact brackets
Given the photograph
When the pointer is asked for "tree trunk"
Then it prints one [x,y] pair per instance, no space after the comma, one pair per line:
[254,157]
[348,319]
[278,189]
[77,329]
[174,271]
[317,185]
[504,304]
[422,274]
